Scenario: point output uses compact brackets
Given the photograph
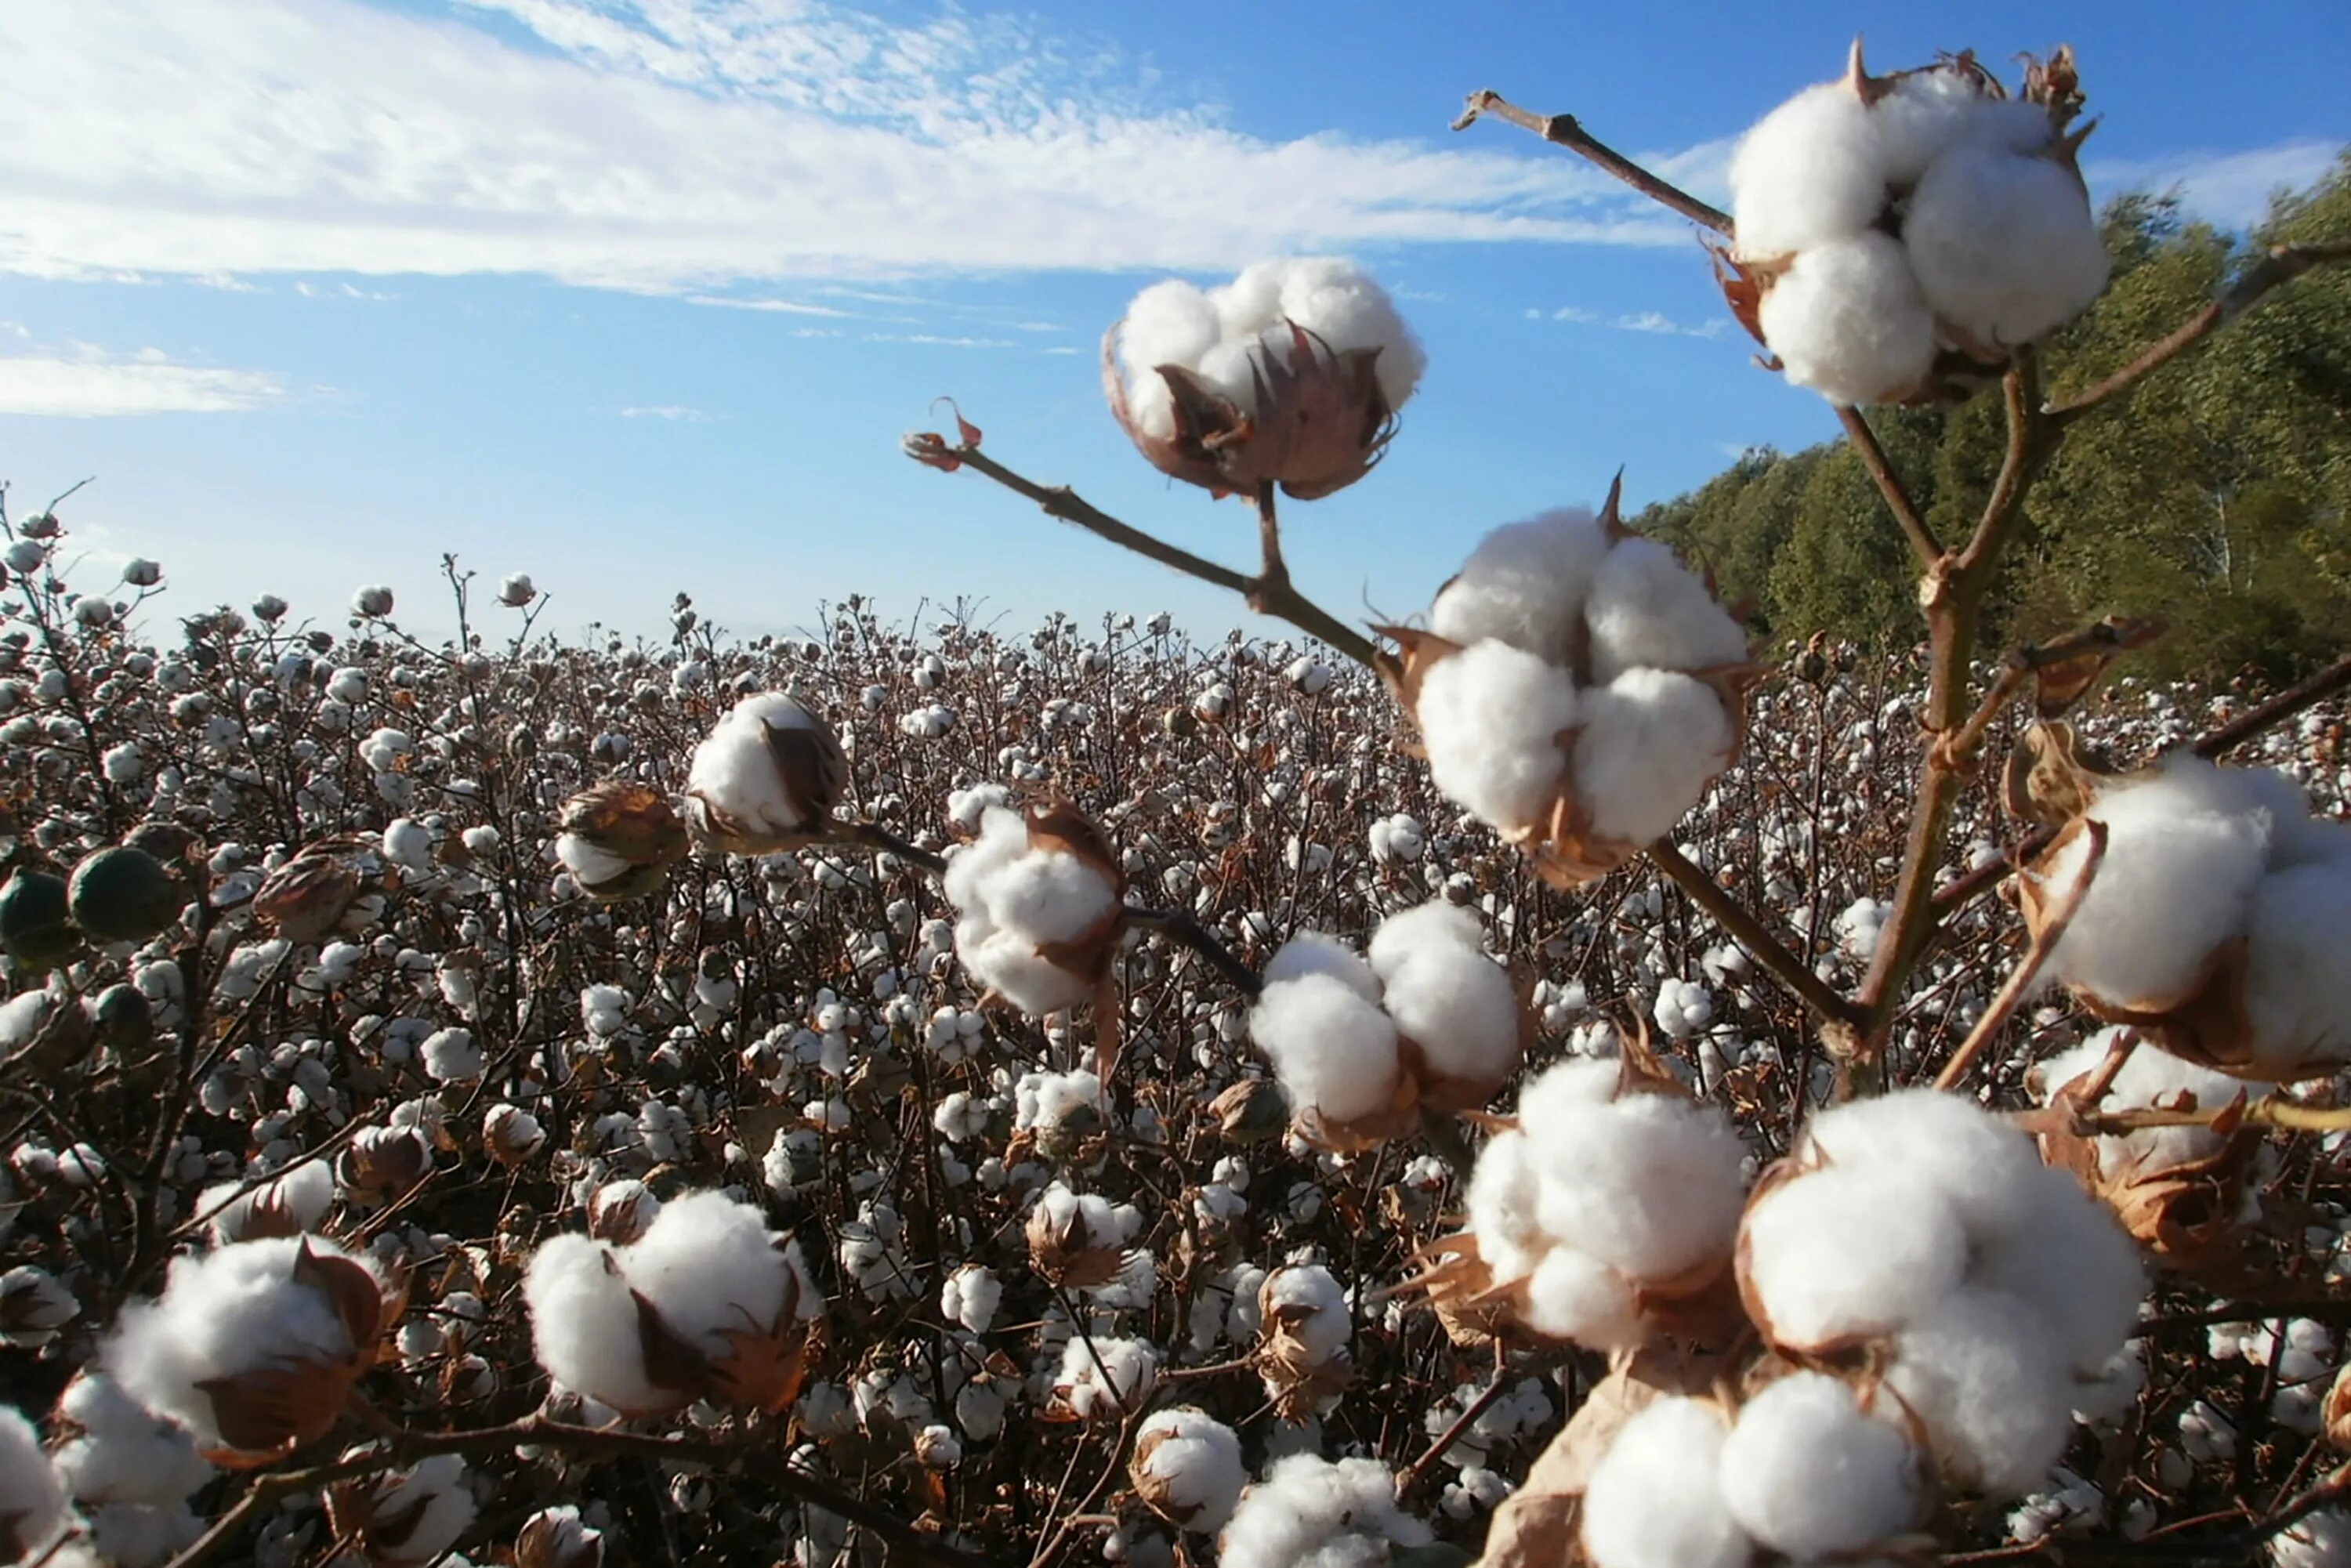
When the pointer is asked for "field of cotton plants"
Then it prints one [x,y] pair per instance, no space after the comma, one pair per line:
[1559,1080]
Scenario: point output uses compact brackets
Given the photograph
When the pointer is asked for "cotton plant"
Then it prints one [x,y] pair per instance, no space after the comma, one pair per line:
[704,1302]
[1038,897]
[767,778]
[1424,1020]
[1896,233]
[1577,689]
[1306,1328]
[1291,375]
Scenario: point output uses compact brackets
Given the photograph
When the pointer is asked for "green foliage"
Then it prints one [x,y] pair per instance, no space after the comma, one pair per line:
[2217,497]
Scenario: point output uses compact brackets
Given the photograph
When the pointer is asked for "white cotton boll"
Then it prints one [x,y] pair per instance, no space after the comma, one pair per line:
[1988,1380]
[2179,875]
[452,1056]
[1422,927]
[1547,1100]
[125,1454]
[1170,323]
[1308,1302]
[1340,302]
[1571,1295]
[432,1506]
[1193,1463]
[1926,114]
[1524,584]
[1504,1205]
[1101,1375]
[32,1504]
[585,1326]
[1333,1050]
[1049,897]
[1647,609]
[2003,244]
[1312,953]
[2148,1077]
[1976,1162]
[1812,170]
[1806,1472]
[1490,718]
[1848,319]
[711,1266]
[734,768]
[1654,1501]
[1850,1252]
[2065,1255]
[2320,1540]
[1460,1007]
[2298,977]
[223,1313]
[1650,1185]
[970,1297]
[409,844]
[1651,743]
[1312,1512]
[304,1194]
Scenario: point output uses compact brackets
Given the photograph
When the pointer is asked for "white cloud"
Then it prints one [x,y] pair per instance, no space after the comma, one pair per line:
[675,413]
[2229,189]
[1651,321]
[675,145]
[88,384]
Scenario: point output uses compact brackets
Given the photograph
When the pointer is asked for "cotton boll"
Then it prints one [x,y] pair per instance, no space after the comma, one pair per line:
[1524,585]
[2320,1540]
[2003,245]
[584,1324]
[1339,302]
[970,1297]
[1332,1049]
[1979,1163]
[734,770]
[1101,1375]
[1421,928]
[32,1504]
[1654,1501]
[1504,1205]
[1851,1252]
[1490,718]
[1310,1512]
[1170,323]
[1848,319]
[1188,1467]
[1651,743]
[1571,1295]
[1650,1185]
[1459,1007]
[1926,113]
[2175,883]
[1312,953]
[1549,1099]
[1647,609]
[1049,897]
[1992,1386]
[2298,975]
[1812,170]
[2065,1256]
[709,1266]
[1806,1472]
[2148,1077]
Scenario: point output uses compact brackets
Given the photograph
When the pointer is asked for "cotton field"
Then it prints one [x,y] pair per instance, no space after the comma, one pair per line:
[1558,1079]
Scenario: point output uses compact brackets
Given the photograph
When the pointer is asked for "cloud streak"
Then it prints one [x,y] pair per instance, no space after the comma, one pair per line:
[88,384]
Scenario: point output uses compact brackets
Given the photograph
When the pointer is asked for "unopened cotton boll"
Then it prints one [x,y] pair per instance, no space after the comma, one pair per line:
[1848,319]
[1654,1499]
[1492,718]
[1807,1472]
[2003,244]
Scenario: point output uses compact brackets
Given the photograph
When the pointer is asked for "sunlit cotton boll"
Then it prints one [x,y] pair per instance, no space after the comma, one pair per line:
[1018,899]
[1312,1512]
[1525,584]
[1446,994]
[1848,319]
[32,1504]
[1812,170]
[2003,244]
[1807,1472]
[1654,1499]
[1332,1048]
[1492,718]
[1651,743]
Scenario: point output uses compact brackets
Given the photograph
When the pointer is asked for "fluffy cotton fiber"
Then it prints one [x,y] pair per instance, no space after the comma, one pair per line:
[1014,899]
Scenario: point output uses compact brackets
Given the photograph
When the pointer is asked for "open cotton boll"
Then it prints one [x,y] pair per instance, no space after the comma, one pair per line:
[125,1454]
[1459,1007]
[711,1267]
[1651,743]
[970,1297]
[238,1308]
[2065,1255]
[297,1200]
[1307,1302]
[1312,1512]
[1333,1050]
[1172,323]
[32,1504]
[1926,114]
[1807,1472]
[1188,1467]
[423,1510]
[1848,319]
[2174,885]
[2298,977]
[734,768]
[1976,1162]
[1649,1184]
[1336,300]
[1425,926]
[1572,1295]
[2320,1540]
[2003,244]
[1524,584]
[1655,1500]
[1312,953]
[1647,609]
[1101,1375]
[1812,170]
[2148,1077]
[584,1324]
[1491,719]
[1850,1252]
[1504,1207]
[1990,1384]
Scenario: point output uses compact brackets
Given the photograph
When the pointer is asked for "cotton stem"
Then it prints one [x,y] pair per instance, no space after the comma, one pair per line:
[1566,131]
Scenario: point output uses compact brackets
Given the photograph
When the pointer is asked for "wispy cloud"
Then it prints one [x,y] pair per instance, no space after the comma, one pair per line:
[781,306]
[1652,322]
[309,290]
[85,383]
[674,145]
[676,412]
[2229,189]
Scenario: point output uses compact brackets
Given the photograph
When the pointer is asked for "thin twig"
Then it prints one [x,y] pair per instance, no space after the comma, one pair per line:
[1749,933]
[1566,131]
[873,835]
[1181,924]
[2021,979]
[2265,717]
[1889,484]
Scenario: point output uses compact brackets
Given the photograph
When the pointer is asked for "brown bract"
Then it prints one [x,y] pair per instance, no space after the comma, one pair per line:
[1157,1491]
[545,1542]
[2184,1214]
[635,821]
[814,772]
[1320,421]
[1069,1253]
[369,1516]
[267,1411]
[307,896]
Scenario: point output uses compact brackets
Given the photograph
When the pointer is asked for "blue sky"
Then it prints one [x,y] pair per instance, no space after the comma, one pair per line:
[638,296]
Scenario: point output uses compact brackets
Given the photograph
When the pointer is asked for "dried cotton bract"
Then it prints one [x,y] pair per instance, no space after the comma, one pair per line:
[707,1304]
[1997,1290]
[2219,924]
[1577,689]
[619,838]
[1362,1047]
[1613,1203]
[1037,900]
[1290,374]
[1886,224]
[766,779]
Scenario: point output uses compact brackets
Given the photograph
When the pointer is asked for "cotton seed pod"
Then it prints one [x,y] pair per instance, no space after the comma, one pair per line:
[124,895]
[1302,1353]
[512,1134]
[269,1411]
[764,1366]
[619,838]
[402,1519]
[307,896]
[1186,1467]
[766,779]
[381,1163]
[1074,1244]
[1251,1111]
[619,1212]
